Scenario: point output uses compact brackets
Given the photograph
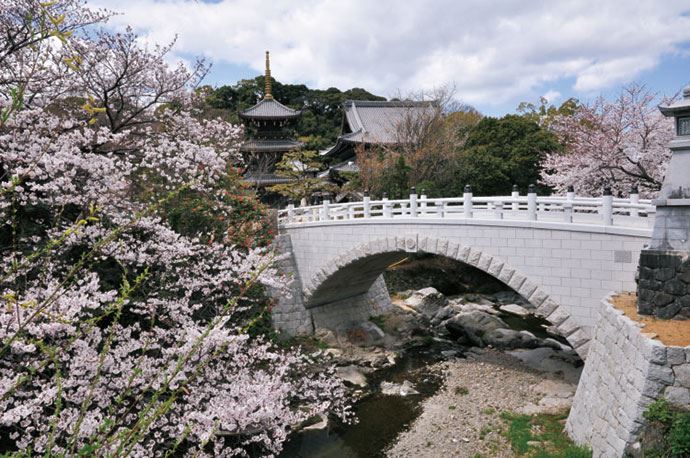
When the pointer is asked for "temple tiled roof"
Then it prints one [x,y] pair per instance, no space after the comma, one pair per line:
[270,108]
[265,179]
[270,146]
[376,122]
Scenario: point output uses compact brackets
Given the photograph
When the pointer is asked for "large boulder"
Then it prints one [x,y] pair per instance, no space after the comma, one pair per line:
[351,375]
[511,339]
[426,301]
[474,326]
[446,312]
[365,334]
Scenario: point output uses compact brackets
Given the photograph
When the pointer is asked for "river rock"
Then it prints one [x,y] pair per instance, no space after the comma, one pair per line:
[321,423]
[427,301]
[351,375]
[326,336]
[506,297]
[446,312]
[474,326]
[365,334]
[405,388]
[475,307]
[511,339]
[514,309]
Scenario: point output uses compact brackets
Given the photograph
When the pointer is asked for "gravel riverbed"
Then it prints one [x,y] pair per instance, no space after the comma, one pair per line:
[463,418]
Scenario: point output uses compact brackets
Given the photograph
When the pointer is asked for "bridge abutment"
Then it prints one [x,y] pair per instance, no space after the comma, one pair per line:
[292,316]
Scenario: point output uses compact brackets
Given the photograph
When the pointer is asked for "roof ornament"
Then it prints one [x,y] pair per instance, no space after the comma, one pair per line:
[267,79]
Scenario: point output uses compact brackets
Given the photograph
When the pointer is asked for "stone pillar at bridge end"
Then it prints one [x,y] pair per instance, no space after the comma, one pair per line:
[664,281]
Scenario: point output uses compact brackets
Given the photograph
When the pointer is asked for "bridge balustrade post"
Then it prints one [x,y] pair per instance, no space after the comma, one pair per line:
[290,211]
[515,206]
[350,211]
[498,210]
[413,202]
[440,209]
[387,213]
[570,195]
[366,204]
[325,210]
[568,212]
[607,207]
[467,201]
[532,202]
[422,203]
[634,200]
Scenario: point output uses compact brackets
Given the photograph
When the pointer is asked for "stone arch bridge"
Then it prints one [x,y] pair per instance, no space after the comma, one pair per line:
[562,254]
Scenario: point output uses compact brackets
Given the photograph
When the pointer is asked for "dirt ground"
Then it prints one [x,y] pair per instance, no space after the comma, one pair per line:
[670,332]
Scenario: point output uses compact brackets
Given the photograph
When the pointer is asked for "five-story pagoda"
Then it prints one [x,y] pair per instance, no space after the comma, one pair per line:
[269,131]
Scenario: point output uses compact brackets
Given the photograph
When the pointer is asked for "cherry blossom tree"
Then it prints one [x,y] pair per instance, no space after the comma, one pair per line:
[618,143]
[122,331]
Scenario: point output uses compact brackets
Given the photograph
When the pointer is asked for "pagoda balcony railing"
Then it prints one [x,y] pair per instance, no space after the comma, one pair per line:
[631,212]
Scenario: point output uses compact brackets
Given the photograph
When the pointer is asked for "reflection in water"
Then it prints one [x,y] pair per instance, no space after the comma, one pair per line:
[381,417]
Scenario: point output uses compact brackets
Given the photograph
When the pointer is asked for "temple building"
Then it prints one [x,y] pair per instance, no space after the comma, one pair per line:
[269,125]
[374,123]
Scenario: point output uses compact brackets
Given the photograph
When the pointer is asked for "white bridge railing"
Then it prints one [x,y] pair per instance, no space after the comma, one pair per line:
[605,210]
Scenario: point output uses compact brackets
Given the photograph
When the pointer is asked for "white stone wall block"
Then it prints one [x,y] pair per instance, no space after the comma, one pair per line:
[516,281]
[654,351]
[463,253]
[484,262]
[568,327]
[682,374]
[452,251]
[537,297]
[547,308]
[527,289]
[578,338]
[473,257]
[442,247]
[506,273]
[495,267]
[558,316]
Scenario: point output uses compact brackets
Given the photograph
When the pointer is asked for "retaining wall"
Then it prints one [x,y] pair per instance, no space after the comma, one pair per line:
[625,372]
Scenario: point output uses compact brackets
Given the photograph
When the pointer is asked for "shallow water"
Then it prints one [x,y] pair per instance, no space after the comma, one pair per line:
[381,417]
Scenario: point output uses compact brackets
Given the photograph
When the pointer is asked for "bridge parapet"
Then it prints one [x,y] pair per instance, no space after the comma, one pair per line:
[630,212]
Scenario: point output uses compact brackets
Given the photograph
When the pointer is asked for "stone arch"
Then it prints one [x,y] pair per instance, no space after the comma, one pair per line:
[369,260]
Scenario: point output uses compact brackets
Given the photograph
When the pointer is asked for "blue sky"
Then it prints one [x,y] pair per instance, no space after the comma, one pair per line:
[496,54]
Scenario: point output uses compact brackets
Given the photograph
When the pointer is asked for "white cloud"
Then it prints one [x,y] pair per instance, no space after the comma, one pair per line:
[552,96]
[492,51]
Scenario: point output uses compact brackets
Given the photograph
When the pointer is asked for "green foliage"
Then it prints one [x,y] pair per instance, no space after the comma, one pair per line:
[660,411]
[544,113]
[378,320]
[502,152]
[248,223]
[673,424]
[396,180]
[461,391]
[545,429]
[301,168]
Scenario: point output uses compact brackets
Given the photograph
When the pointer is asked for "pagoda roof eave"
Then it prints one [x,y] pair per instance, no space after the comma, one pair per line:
[269,109]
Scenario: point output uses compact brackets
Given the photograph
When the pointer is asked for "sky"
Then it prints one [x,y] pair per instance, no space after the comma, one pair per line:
[495,53]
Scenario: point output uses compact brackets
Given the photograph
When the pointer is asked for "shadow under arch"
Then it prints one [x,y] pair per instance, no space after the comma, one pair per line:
[354,272]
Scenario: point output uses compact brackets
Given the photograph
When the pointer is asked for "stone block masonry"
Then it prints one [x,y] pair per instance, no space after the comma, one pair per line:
[292,317]
[664,285]
[625,372]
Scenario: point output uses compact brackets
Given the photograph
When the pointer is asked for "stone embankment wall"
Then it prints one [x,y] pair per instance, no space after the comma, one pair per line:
[664,286]
[625,372]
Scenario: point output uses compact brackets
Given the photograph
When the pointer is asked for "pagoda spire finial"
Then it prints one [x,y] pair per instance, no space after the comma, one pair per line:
[267,79]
